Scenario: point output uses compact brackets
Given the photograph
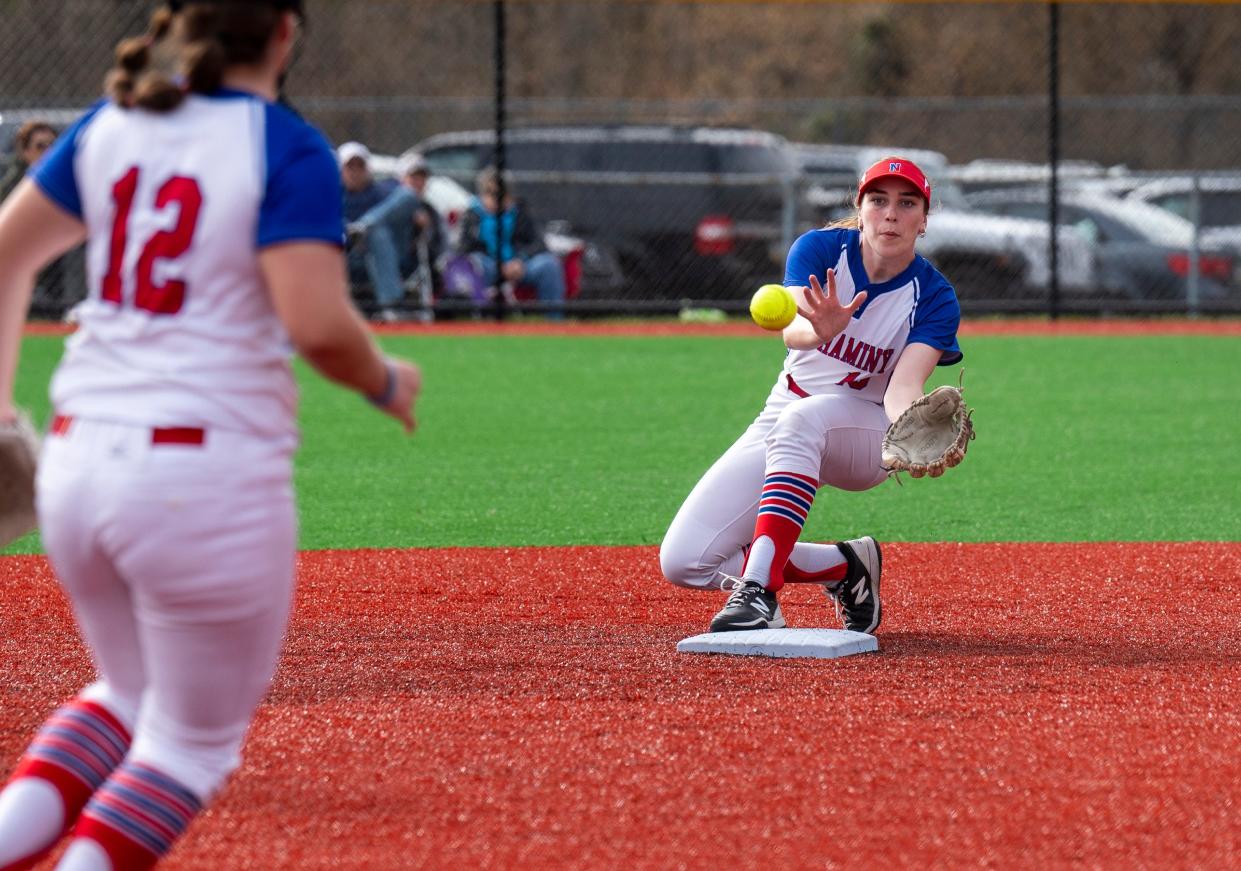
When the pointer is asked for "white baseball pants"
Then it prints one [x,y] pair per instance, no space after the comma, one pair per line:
[834,438]
[179,561]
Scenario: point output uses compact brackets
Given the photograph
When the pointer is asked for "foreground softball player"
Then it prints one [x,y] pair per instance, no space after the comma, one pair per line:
[214,235]
[873,322]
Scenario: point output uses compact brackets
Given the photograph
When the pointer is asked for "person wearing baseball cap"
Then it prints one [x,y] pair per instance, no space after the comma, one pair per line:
[362,192]
[412,165]
[897,193]
[874,319]
[399,235]
[351,152]
[893,168]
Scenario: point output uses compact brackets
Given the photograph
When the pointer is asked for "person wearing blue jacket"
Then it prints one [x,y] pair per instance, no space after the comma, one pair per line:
[523,257]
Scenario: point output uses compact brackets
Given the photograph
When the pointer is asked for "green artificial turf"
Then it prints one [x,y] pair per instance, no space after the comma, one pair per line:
[527,440]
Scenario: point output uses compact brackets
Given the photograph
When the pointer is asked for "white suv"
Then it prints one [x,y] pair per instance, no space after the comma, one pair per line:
[1218,208]
[991,259]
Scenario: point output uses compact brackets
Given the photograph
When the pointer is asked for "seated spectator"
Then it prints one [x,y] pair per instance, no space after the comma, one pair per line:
[33,138]
[523,257]
[399,236]
[362,193]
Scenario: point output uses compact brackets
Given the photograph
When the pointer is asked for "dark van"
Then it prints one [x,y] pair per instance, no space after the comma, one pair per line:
[689,212]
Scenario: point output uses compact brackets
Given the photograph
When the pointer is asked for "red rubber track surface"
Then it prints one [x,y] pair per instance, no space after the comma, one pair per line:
[1032,706]
[1017,327]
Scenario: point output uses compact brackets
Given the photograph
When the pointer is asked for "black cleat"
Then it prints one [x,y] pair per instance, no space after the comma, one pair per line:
[857,596]
[749,607]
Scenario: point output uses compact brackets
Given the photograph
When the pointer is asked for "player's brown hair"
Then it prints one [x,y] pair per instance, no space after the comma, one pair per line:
[188,51]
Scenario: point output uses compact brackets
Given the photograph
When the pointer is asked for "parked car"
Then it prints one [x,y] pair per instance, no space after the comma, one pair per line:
[991,173]
[1218,210]
[987,258]
[1141,252]
[1219,197]
[687,212]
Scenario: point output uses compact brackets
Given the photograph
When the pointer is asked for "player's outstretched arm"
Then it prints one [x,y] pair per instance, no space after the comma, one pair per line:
[929,433]
[311,296]
[914,367]
[820,316]
[33,232]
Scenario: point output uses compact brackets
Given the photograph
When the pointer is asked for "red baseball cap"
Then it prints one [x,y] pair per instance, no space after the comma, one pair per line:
[894,167]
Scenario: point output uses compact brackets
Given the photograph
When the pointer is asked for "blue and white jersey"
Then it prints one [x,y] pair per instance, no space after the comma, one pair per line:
[178,328]
[919,305]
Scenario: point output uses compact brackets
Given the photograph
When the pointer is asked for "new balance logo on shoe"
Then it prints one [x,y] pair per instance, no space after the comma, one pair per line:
[857,596]
[750,606]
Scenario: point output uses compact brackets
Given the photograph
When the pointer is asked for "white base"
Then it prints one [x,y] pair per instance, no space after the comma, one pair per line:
[783,643]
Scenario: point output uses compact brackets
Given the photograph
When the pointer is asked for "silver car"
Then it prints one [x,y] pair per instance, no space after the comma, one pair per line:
[1003,262]
[1142,253]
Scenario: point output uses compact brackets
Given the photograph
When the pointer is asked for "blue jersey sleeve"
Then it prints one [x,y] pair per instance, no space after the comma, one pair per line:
[937,319]
[302,199]
[54,172]
[813,253]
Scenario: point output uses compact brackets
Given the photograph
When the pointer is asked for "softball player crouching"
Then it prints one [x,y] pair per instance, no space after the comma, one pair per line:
[874,320]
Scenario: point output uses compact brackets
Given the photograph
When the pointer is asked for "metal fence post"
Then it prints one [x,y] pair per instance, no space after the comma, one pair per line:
[1192,286]
[501,98]
[1053,157]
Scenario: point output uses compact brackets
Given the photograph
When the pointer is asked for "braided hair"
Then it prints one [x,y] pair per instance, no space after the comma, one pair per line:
[187,48]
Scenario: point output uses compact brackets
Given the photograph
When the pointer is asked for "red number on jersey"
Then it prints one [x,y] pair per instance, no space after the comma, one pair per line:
[854,381]
[123,193]
[160,299]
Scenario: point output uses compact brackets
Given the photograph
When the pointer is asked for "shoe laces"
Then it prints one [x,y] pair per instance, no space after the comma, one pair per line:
[738,588]
[832,591]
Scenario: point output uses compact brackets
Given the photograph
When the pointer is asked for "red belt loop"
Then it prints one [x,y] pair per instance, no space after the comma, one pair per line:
[178,435]
[794,388]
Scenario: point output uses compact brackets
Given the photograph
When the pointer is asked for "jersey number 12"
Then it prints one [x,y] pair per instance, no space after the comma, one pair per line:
[160,299]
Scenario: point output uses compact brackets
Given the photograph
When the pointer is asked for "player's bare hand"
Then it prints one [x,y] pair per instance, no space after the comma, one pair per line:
[407,384]
[823,309]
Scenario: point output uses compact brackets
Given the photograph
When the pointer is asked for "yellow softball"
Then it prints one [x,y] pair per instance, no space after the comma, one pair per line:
[773,307]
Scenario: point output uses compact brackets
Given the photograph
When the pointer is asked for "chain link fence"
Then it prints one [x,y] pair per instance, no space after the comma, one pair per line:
[672,151]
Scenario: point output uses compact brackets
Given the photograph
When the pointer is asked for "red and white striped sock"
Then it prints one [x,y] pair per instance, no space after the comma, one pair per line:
[782,509]
[135,817]
[74,753]
[813,563]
